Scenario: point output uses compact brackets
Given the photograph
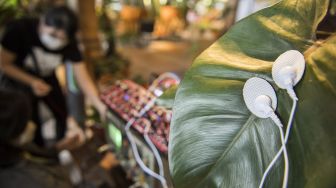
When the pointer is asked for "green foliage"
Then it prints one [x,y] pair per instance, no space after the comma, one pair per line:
[9,11]
[216,142]
[113,64]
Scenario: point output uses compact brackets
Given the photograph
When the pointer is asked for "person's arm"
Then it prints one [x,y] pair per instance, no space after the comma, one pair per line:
[7,66]
[88,87]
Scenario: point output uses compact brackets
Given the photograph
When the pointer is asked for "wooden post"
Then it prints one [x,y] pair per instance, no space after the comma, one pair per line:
[234,7]
[88,22]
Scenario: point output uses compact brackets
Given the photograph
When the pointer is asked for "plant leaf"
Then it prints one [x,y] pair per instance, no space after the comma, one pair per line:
[216,142]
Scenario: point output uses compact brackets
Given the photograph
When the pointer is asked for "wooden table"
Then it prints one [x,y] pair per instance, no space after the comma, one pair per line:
[162,56]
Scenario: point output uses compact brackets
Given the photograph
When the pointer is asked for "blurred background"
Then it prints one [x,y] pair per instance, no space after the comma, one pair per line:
[137,39]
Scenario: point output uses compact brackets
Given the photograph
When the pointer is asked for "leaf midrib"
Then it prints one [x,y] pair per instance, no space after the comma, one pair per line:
[226,151]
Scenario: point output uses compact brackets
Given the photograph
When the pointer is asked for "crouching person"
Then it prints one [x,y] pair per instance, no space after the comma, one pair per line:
[17,131]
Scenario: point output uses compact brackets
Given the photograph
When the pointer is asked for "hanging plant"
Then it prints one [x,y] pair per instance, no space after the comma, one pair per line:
[167,13]
[130,13]
[129,23]
[169,21]
[216,142]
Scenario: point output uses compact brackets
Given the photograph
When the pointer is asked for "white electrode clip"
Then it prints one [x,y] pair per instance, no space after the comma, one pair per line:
[260,99]
[287,71]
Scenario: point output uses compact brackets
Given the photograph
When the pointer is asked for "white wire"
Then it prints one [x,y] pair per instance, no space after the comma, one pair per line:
[284,182]
[155,151]
[158,159]
[147,139]
[135,149]
[289,124]
[160,78]
[139,160]
[277,121]
[283,148]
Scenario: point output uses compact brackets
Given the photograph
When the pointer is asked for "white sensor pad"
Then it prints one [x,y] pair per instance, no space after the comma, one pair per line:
[255,87]
[292,60]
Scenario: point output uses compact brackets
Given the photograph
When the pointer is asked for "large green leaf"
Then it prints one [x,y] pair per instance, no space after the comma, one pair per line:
[216,142]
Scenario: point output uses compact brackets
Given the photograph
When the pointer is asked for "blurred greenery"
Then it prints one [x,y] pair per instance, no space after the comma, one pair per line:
[9,10]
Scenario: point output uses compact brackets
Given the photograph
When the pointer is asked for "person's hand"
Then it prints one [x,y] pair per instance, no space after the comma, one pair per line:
[102,110]
[68,143]
[40,88]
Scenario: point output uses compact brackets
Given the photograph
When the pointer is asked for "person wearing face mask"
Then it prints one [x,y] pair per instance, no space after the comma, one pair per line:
[17,131]
[31,50]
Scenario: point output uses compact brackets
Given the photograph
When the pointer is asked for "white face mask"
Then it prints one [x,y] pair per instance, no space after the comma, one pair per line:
[51,42]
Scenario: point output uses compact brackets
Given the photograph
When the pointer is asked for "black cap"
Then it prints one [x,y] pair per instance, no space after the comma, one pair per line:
[62,17]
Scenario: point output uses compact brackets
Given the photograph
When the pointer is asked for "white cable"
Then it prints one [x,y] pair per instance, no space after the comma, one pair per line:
[289,125]
[147,139]
[291,117]
[134,147]
[277,121]
[287,71]
[283,148]
[160,78]
[292,93]
[155,151]
[260,99]
[285,179]
[140,162]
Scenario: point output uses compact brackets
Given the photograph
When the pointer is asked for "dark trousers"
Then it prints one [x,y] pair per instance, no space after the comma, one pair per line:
[55,101]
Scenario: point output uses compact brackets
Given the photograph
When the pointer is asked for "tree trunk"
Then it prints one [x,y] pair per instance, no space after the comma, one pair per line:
[88,22]
[234,6]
